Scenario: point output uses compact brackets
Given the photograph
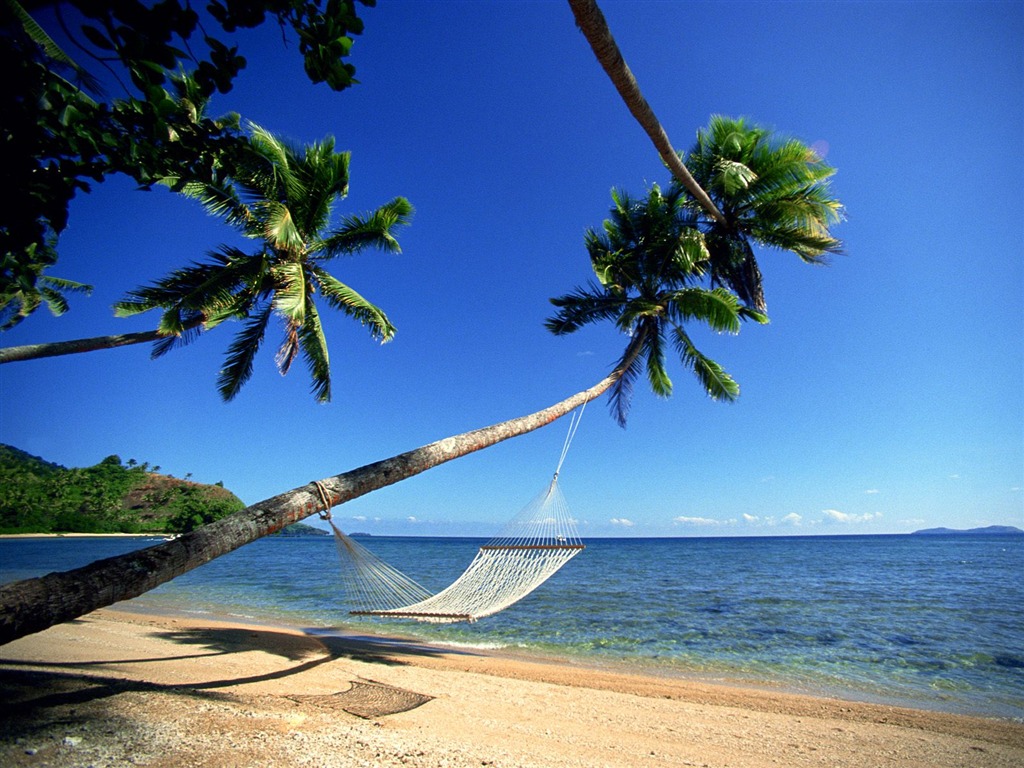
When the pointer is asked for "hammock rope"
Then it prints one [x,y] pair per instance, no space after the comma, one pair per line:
[529,550]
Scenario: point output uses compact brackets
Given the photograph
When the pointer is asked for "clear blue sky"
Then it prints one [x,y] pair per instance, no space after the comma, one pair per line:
[885,395]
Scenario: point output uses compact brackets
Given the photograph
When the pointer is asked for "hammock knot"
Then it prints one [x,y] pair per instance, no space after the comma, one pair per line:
[325,499]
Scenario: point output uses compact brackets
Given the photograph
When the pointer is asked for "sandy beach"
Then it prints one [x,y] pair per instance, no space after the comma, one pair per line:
[115,689]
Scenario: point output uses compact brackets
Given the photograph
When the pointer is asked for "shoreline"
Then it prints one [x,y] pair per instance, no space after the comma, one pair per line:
[165,690]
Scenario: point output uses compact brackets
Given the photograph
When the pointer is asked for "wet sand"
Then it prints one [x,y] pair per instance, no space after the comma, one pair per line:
[114,689]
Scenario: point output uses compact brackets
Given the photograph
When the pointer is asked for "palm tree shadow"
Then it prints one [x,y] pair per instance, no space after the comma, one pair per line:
[26,694]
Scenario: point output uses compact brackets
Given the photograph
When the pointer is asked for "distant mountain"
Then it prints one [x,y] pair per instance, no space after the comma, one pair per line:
[998,530]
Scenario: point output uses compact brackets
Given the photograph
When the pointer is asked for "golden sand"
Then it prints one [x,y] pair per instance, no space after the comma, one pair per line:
[117,689]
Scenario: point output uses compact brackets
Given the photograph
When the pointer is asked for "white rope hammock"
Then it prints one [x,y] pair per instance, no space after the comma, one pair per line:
[530,550]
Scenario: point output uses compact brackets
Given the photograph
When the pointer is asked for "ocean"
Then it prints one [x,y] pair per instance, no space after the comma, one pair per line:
[934,622]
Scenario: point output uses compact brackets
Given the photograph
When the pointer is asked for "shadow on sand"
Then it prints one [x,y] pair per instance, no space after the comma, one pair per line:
[33,693]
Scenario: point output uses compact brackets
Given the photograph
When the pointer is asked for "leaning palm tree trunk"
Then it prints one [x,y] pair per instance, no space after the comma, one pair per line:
[592,23]
[56,348]
[33,605]
[75,346]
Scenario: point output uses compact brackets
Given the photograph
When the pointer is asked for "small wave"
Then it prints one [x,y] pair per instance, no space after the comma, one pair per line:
[475,646]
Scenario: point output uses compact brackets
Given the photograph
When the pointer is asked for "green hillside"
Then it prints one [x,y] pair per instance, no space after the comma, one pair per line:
[37,496]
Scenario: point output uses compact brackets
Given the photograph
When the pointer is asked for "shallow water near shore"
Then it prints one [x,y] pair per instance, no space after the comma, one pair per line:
[931,622]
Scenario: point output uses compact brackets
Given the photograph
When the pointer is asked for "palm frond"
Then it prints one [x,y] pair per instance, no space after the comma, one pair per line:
[279,228]
[203,287]
[187,333]
[342,297]
[52,290]
[732,177]
[16,307]
[290,289]
[592,304]
[314,349]
[654,355]
[374,230]
[718,308]
[272,148]
[318,179]
[221,198]
[620,394]
[39,36]
[718,384]
[238,361]
[289,348]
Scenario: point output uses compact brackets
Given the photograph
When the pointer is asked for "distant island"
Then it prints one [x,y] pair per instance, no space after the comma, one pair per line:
[38,496]
[989,530]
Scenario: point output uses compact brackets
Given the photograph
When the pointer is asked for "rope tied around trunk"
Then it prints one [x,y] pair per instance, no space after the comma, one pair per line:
[325,499]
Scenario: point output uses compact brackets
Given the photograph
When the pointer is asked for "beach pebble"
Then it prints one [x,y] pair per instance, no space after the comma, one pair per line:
[72,741]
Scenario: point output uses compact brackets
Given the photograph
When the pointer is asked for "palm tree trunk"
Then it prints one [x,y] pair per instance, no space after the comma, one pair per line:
[33,605]
[592,23]
[75,346]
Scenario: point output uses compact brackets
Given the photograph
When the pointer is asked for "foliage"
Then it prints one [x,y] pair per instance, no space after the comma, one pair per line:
[773,191]
[191,508]
[282,197]
[110,497]
[649,261]
[61,133]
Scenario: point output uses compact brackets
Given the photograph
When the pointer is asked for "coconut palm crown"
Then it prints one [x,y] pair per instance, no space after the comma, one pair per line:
[283,198]
[649,262]
[773,192]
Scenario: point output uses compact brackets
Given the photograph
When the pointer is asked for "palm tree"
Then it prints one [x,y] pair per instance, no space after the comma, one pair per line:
[283,198]
[773,192]
[649,261]
[647,266]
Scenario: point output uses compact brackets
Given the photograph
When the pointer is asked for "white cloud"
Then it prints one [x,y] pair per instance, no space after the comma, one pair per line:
[750,518]
[872,491]
[621,521]
[359,518]
[792,519]
[695,521]
[847,517]
[411,519]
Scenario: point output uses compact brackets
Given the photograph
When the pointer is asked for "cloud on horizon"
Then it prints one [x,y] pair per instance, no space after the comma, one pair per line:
[699,521]
[834,515]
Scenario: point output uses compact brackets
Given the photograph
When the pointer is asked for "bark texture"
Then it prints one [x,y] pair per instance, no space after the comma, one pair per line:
[33,605]
[592,23]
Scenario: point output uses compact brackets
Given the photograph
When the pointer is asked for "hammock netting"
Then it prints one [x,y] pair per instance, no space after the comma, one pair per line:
[529,551]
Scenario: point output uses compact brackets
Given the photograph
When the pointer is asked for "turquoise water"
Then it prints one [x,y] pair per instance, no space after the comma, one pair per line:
[934,622]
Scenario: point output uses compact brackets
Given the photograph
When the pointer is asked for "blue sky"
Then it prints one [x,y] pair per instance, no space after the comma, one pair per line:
[885,395]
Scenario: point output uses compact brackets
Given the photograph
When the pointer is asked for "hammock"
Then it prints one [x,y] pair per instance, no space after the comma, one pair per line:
[529,551]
